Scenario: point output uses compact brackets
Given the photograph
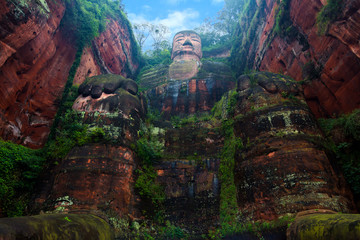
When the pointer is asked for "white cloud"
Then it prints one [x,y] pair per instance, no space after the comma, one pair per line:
[175,20]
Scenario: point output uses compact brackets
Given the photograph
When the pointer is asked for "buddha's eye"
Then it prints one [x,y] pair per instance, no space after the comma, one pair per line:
[195,39]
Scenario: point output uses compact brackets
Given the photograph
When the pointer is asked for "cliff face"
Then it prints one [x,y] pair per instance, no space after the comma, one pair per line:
[329,62]
[35,61]
[282,168]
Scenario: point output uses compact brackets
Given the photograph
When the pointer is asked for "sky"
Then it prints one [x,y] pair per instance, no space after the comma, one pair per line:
[177,15]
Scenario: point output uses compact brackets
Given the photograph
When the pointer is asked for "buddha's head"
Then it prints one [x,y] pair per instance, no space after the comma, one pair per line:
[186,46]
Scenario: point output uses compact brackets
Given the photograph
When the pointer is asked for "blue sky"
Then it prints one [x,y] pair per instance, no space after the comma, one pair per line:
[177,15]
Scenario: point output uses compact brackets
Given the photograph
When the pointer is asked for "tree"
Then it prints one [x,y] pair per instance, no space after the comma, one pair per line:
[142,32]
[158,33]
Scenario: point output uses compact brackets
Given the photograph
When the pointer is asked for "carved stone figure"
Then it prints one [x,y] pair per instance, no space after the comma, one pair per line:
[186,46]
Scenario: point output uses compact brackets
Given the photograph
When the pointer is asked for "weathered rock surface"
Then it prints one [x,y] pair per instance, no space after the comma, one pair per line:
[325,226]
[95,177]
[282,168]
[192,193]
[334,57]
[199,93]
[111,102]
[100,176]
[34,72]
[188,173]
[55,226]
[35,61]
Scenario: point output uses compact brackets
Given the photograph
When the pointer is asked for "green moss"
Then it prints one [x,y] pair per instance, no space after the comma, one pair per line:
[328,14]
[328,227]
[228,204]
[283,23]
[57,226]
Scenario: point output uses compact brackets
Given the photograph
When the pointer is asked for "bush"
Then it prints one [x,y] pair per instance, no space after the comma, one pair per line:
[149,152]
[347,149]
[19,169]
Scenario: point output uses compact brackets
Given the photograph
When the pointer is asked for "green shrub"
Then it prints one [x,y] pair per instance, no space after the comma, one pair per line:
[147,186]
[19,169]
[348,152]
[86,19]
[173,232]
[148,151]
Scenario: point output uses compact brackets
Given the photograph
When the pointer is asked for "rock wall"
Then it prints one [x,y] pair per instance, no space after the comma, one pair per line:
[189,175]
[35,61]
[282,168]
[334,56]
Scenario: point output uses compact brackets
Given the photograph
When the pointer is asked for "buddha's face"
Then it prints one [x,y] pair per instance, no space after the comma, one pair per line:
[186,46]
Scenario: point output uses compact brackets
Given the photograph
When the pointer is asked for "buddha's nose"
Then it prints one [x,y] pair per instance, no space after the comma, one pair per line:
[187,42]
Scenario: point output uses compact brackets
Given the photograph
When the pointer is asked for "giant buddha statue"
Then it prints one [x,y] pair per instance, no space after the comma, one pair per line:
[186,46]
[188,85]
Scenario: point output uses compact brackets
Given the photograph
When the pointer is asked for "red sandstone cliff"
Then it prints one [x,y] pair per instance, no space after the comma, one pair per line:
[35,59]
[336,54]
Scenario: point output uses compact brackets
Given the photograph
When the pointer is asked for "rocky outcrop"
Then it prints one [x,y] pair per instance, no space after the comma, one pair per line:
[34,72]
[329,63]
[100,176]
[55,226]
[282,167]
[112,52]
[35,61]
[95,177]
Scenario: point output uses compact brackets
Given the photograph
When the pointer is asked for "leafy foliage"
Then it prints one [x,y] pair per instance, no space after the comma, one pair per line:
[347,148]
[328,14]
[162,55]
[244,35]
[19,169]
[148,149]
[85,19]
[147,186]
[283,23]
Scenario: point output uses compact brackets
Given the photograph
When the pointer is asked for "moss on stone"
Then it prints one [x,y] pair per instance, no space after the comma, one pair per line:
[56,226]
[326,226]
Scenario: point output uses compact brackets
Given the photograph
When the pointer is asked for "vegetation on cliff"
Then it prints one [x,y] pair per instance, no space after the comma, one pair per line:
[343,136]
[283,23]
[148,149]
[82,22]
[244,36]
[19,170]
[328,14]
